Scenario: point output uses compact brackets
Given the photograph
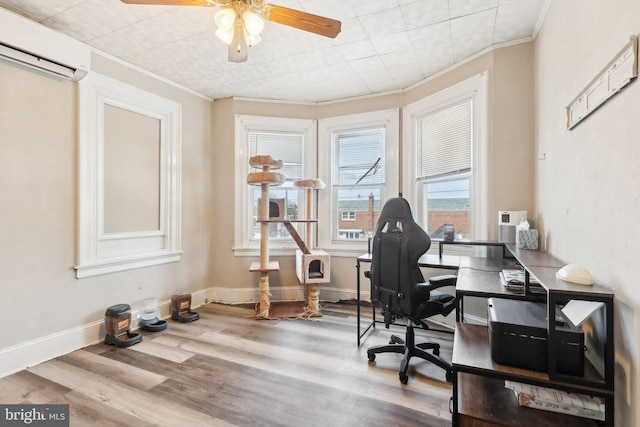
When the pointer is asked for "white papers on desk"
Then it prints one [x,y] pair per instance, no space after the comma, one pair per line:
[513,279]
[577,311]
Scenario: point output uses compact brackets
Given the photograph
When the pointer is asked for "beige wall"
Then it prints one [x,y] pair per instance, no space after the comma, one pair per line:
[588,186]
[38,162]
[511,147]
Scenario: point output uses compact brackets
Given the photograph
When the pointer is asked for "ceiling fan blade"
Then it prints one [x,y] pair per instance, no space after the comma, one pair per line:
[301,20]
[173,2]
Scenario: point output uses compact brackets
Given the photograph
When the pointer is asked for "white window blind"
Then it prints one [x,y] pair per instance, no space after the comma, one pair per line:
[360,156]
[444,141]
[284,146]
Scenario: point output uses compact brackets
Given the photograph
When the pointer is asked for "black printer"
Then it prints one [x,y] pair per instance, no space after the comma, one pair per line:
[518,337]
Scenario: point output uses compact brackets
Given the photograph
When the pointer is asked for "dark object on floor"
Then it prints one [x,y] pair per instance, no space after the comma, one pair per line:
[181,307]
[397,285]
[117,322]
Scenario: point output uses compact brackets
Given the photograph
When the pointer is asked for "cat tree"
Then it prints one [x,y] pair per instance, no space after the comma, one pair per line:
[264,179]
[312,266]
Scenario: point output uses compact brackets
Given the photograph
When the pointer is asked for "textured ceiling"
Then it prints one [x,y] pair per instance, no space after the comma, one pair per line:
[384,46]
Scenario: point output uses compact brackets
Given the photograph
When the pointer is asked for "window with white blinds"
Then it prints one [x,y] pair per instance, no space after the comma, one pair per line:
[359,178]
[291,141]
[445,158]
[443,166]
[443,141]
[285,146]
[360,155]
[288,147]
[359,162]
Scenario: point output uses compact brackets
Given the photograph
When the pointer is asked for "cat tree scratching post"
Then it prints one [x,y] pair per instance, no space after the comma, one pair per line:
[265,178]
[313,266]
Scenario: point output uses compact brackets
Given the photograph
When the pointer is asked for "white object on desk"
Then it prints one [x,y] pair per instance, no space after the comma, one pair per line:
[575,273]
[577,311]
[507,222]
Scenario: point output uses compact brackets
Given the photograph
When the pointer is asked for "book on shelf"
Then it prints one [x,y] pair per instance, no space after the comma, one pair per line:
[559,401]
[513,279]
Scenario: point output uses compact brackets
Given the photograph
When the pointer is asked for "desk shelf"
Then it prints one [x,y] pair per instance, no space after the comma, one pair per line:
[476,374]
[486,402]
[472,354]
[482,398]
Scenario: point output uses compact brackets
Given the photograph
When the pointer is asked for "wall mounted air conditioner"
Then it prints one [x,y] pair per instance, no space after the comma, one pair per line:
[26,42]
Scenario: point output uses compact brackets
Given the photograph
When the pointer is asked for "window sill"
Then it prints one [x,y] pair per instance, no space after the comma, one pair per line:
[117,265]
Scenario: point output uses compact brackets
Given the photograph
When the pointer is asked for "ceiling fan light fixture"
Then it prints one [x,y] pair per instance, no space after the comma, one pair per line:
[240,22]
[225,19]
[238,49]
[251,39]
[225,36]
[252,23]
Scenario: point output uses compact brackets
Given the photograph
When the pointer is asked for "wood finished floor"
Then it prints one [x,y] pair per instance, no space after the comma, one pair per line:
[228,369]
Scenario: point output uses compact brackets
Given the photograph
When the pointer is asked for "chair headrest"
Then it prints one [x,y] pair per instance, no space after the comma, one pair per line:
[397,209]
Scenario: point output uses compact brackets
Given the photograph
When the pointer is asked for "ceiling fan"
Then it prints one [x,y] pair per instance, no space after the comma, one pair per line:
[239,23]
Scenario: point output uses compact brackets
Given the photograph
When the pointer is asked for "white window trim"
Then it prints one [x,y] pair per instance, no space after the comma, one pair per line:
[476,88]
[100,252]
[388,118]
[243,124]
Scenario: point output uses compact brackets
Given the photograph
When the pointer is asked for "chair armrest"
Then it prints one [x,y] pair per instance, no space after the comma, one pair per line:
[444,280]
[437,282]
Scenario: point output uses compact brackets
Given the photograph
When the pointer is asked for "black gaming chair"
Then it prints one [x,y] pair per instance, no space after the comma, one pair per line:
[397,285]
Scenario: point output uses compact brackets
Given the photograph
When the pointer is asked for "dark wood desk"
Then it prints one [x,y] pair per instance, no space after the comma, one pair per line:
[479,396]
[479,277]
[479,381]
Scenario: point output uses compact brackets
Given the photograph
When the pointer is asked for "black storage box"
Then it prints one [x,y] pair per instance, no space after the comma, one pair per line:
[518,337]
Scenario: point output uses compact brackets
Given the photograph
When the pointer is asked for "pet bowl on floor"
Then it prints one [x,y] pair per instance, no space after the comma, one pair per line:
[148,320]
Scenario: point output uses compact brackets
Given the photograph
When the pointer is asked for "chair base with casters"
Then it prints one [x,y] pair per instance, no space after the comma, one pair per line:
[409,348]
[429,351]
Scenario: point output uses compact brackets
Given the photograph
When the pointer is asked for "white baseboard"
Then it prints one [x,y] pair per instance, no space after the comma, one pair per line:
[30,353]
